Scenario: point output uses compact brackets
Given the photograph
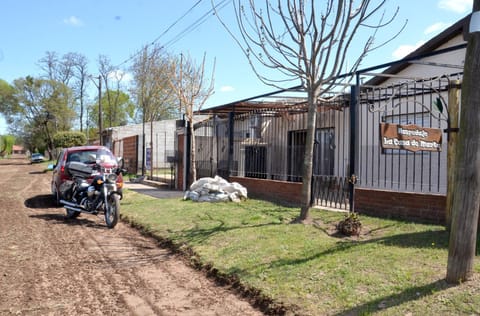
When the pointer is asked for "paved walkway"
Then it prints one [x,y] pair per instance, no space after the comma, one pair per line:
[154,190]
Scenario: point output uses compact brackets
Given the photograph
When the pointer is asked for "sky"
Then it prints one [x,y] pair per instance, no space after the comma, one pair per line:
[120,28]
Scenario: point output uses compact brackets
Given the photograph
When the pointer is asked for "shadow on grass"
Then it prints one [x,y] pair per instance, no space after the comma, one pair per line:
[198,236]
[428,239]
[383,303]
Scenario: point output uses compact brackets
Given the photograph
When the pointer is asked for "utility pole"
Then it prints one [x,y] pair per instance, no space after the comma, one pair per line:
[466,199]
[100,120]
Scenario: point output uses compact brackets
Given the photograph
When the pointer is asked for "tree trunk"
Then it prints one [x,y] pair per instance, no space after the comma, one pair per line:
[466,201]
[308,159]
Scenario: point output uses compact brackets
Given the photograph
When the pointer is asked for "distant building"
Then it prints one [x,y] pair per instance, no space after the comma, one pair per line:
[18,150]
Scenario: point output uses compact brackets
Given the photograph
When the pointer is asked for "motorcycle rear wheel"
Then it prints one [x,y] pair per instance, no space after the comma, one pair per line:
[112,211]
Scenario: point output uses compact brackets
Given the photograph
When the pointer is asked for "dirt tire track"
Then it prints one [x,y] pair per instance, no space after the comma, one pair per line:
[53,266]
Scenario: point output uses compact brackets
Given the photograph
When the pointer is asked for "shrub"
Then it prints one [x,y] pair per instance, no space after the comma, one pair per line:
[69,139]
[350,225]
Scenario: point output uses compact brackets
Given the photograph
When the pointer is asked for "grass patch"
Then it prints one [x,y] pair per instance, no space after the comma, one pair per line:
[392,268]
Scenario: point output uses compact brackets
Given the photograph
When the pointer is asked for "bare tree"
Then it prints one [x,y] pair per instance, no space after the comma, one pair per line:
[466,199]
[151,69]
[58,69]
[81,75]
[112,78]
[310,42]
[190,85]
[49,64]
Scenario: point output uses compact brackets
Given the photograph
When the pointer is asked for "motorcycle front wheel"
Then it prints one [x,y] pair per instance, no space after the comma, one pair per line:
[112,211]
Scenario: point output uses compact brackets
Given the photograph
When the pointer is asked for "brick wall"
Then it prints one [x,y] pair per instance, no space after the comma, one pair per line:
[272,190]
[427,207]
[414,206]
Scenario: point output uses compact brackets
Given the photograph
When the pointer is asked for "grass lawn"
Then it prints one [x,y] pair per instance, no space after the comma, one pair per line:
[392,268]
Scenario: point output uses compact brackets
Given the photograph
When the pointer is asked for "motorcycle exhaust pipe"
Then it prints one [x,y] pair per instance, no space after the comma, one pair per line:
[70,204]
[74,207]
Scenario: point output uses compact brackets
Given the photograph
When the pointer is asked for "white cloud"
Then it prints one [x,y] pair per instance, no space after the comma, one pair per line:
[404,50]
[73,21]
[227,89]
[457,6]
[434,28]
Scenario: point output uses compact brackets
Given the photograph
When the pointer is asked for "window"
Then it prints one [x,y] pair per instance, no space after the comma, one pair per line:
[323,156]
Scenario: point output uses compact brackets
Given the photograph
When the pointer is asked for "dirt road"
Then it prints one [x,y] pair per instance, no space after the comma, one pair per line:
[53,266]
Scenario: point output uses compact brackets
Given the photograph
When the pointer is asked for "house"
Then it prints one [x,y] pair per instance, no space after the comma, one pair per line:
[259,142]
[18,150]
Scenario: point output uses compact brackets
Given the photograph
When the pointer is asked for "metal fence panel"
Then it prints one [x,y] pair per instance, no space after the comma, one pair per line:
[409,102]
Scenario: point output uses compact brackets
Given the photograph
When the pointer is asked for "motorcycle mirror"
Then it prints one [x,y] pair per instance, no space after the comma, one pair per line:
[121,162]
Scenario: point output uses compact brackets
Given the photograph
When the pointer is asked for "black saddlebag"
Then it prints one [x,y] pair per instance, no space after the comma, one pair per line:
[79,169]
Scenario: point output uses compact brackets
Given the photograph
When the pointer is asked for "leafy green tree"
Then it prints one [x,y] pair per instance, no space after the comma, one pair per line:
[116,113]
[6,144]
[71,70]
[69,139]
[8,102]
[42,108]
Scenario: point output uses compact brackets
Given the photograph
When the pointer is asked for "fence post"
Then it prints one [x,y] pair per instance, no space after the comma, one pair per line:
[188,150]
[231,130]
[453,107]
[353,118]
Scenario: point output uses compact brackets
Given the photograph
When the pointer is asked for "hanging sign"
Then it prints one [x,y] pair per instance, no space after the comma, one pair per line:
[410,137]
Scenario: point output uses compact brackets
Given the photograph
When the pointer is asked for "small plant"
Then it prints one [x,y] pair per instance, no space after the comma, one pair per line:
[350,225]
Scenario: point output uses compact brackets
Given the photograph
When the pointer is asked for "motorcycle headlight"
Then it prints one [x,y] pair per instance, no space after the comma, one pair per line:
[112,178]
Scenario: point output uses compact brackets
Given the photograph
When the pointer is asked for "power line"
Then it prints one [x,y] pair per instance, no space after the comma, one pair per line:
[174,23]
[184,32]
[197,23]
[163,33]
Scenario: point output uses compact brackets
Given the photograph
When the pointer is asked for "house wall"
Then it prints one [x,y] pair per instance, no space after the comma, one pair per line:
[163,139]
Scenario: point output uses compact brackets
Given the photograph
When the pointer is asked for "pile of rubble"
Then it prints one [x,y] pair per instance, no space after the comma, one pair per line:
[215,190]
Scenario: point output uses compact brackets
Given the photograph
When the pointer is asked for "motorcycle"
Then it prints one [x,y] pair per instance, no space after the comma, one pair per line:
[98,196]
